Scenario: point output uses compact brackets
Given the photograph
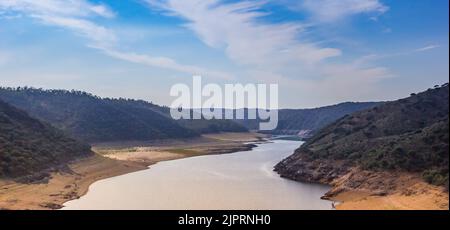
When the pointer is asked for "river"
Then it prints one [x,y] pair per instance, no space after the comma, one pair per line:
[238,181]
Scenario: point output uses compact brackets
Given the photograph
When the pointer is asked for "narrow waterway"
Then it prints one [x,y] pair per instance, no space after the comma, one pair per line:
[242,180]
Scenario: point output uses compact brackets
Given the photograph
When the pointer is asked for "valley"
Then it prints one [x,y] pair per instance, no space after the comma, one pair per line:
[387,155]
[399,149]
[111,160]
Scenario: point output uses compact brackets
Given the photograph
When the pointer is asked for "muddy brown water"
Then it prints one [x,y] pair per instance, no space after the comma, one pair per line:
[238,181]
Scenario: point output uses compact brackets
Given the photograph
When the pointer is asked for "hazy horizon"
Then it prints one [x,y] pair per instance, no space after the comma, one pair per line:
[375,50]
[152,102]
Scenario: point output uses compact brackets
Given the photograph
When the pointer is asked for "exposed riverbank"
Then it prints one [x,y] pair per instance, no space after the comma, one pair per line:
[149,153]
[114,159]
[237,181]
[357,189]
[365,190]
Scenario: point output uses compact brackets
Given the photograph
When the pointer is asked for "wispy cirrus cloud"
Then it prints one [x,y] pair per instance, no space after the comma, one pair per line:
[335,10]
[78,17]
[73,15]
[80,8]
[279,52]
[374,57]
[239,30]
[164,62]
[426,48]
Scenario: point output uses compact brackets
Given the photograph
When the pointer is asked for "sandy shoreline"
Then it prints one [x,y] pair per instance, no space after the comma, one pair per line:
[62,186]
[409,192]
[388,191]
[432,199]
[114,159]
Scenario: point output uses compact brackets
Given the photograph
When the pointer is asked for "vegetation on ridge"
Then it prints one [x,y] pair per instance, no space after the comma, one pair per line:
[94,119]
[410,134]
[306,122]
[29,146]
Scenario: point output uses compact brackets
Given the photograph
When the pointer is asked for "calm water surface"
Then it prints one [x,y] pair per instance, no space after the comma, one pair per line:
[242,180]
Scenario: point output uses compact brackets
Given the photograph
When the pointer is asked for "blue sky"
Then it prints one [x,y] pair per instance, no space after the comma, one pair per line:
[320,52]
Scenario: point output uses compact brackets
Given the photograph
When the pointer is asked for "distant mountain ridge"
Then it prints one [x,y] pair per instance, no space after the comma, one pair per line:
[410,135]
[93,119]
[28,146]
[305,122]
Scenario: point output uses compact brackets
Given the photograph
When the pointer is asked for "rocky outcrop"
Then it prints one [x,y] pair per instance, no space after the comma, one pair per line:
[392,152]
[315,171]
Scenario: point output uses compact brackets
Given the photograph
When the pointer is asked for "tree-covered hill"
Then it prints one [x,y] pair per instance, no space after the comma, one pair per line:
[410,135]
[305,122]
[28,146]
[93,119]
[205,126]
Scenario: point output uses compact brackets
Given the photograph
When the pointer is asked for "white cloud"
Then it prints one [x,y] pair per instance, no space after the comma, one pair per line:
[99,35]
[334,10]
[7,16]
[239,30]
[426,48]
[375,57]
[73,15]
[333,84]
[164,62]
[103,11]
[267,51]
[62,8]
[76,16]
[279,53]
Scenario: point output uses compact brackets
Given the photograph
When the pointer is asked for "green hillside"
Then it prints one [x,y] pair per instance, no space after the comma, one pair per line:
[93,119]
[410,135]
[306,122]
[28,146]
